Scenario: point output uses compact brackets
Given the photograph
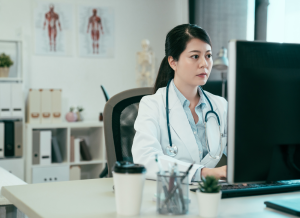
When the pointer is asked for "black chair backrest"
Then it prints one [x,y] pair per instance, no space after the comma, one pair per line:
[120,113]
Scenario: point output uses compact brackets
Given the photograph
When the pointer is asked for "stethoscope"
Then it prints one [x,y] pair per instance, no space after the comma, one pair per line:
[172,150]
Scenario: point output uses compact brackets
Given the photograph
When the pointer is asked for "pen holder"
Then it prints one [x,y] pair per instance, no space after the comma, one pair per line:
[172,193]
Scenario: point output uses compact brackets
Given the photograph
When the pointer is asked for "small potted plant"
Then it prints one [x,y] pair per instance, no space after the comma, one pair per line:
[79,113]
[209,196]
[5,63]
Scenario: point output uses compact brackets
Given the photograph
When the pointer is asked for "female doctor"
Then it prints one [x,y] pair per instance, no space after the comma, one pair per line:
[181,122]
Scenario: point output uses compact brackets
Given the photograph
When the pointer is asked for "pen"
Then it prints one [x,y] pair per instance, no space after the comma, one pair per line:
[174,189]
[179,188]
[163,179]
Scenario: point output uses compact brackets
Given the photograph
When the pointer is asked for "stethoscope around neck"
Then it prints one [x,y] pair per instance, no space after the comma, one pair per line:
[172,149]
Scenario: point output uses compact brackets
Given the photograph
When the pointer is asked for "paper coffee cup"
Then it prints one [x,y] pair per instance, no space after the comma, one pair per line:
[129,181]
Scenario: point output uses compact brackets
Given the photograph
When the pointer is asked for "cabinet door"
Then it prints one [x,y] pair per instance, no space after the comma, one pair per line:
[50,174]
[14,166]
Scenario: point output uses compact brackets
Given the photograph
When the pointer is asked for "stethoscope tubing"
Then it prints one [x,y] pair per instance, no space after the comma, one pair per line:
[205,121]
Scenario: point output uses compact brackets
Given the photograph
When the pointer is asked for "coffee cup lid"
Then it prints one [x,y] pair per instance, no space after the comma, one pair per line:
[127,167]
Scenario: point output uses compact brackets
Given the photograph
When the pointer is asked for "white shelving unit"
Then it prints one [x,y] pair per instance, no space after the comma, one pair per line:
[15,165]
[93,134]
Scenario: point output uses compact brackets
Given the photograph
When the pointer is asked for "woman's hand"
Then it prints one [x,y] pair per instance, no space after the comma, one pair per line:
[219,172]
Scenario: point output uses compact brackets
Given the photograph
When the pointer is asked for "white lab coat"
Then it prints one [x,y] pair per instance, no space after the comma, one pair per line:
[152,134]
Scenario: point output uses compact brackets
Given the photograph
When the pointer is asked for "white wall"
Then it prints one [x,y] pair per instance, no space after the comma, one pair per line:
[80,78]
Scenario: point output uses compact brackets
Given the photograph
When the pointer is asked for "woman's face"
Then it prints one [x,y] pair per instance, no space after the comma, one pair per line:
[194,64]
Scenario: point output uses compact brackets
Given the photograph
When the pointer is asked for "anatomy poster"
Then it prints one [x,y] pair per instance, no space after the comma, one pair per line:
[96,31]
[53,28]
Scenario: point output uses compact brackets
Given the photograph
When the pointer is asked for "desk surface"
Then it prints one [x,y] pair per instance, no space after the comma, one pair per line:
[6,179]
[95,198]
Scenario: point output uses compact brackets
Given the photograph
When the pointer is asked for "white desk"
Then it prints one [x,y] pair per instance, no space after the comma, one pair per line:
[95,198]
[7,209]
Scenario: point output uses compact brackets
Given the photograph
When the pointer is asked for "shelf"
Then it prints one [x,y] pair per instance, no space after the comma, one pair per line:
[51,165]
[85,124]
[11,79]
[10,158]
[87,162]
[91,131]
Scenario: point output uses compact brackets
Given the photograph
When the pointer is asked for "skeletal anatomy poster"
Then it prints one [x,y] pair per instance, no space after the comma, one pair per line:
[96,31]
[53,28]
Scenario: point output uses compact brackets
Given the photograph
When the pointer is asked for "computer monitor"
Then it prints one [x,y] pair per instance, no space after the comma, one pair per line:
[263,112]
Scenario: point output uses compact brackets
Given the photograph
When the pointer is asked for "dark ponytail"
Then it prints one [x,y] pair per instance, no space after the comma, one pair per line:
[176,41]
[165,73]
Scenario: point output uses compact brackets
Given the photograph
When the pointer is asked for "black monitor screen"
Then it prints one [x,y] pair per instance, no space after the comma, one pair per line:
[266,95]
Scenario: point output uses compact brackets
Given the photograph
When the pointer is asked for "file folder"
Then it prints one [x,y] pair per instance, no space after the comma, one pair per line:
[1,140]
[77,150]
[16,100]
[46,109]
[45,147]
[18,125]
[5,100]
[56,105]
[34,106]
[9,144]
[35,147]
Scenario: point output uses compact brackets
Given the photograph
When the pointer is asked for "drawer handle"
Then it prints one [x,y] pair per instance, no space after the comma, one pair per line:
[56,114]
[46,115]
[35,115]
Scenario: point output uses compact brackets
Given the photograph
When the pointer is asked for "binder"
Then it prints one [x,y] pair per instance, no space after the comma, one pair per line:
[1,140]
[77,150]
[84,151]
[45,147]
[18,127]
[75,173]
[56,105]
[56,152]
[34,106]
[46,115]
[5,100]
[9,144]
[16,100]
[35,147]
[72,149]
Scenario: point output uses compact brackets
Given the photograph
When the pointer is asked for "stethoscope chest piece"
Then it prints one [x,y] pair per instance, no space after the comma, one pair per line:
[172,151]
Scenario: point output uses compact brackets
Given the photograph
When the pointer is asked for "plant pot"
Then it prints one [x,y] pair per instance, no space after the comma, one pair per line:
[4,71]
[71,116]
[208,203]
[79,116]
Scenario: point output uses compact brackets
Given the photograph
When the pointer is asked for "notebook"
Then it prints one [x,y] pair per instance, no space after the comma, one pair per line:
[290,206]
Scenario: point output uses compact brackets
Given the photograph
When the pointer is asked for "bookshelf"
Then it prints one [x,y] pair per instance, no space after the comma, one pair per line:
[15,165]
[91,132]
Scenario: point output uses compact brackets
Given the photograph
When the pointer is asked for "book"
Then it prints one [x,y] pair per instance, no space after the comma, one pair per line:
[56,152]
[84,151]
[72,149]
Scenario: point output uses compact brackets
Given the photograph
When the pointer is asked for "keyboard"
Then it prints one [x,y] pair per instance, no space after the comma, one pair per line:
[232,191]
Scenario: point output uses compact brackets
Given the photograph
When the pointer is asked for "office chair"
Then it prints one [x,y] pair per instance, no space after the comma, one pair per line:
[105,170]
[215,87]
[119,116]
